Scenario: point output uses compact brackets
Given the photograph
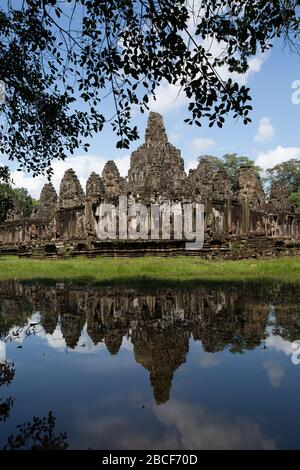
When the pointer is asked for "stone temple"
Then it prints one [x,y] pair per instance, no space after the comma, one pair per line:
[239,223]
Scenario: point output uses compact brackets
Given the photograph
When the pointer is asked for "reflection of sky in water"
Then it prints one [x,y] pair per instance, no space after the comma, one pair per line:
[241,400]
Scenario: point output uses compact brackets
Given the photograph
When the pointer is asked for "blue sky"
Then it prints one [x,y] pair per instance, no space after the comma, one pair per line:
[272,137]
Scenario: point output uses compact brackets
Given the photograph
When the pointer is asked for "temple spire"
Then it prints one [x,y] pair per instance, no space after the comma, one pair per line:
[155,132]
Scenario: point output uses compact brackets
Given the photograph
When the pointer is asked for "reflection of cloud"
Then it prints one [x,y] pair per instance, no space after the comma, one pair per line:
[275,372]
[127,344]
[84,345]
[185,426]
[18,334]
[56,339]
[208,360]
[279,344]
[195,428]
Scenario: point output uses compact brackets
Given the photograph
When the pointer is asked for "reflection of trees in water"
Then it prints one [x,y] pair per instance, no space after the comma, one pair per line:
[7,373]
[5,408]
[37,434]
[9,331]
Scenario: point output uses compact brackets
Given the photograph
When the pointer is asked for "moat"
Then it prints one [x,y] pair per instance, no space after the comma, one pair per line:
[206,367]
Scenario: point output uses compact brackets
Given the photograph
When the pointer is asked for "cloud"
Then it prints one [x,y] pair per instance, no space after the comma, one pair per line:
[175,136]
[192,165]
[275,372]
[218,49]
[83,166]
[168,96]
[201,144]
[278,155]
[255,65]
[265,131]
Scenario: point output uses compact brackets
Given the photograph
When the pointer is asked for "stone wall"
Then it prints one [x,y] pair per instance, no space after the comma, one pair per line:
[239,222]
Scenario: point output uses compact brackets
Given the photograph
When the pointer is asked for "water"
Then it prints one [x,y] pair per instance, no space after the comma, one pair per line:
[159,368]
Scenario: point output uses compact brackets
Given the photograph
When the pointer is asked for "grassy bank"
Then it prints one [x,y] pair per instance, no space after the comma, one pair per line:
[181,269]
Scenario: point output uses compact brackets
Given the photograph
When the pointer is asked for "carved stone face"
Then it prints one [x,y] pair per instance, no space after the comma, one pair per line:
[110,177]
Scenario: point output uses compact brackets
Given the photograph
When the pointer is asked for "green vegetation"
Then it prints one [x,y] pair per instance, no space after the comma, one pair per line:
[295,200]
[61,60]
[231,163]
[151,269]
[6,202]
[287,174]
[17,199]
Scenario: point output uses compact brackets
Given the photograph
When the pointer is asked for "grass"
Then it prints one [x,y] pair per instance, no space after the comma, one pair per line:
[151,269]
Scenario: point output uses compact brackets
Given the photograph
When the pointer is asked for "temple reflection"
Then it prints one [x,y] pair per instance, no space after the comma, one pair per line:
[159,323]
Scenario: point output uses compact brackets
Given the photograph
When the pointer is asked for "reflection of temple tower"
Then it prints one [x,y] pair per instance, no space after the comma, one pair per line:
[72,316]
[107,320]
[113,341]
[286,311]
[161,351]
[49,322]
[47,307]
[71,328]
[233,320]
[159,322]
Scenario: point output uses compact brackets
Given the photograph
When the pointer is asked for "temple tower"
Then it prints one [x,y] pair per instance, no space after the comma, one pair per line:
[113,183]
[95,191]
[71,194]
[250,194]
[156,167]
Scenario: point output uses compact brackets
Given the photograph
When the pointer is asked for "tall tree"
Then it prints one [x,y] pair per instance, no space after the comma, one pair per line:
[288,174]
[231,162]
[6,201]
[17,199]
[60,59]
[22,201]
[216,162]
